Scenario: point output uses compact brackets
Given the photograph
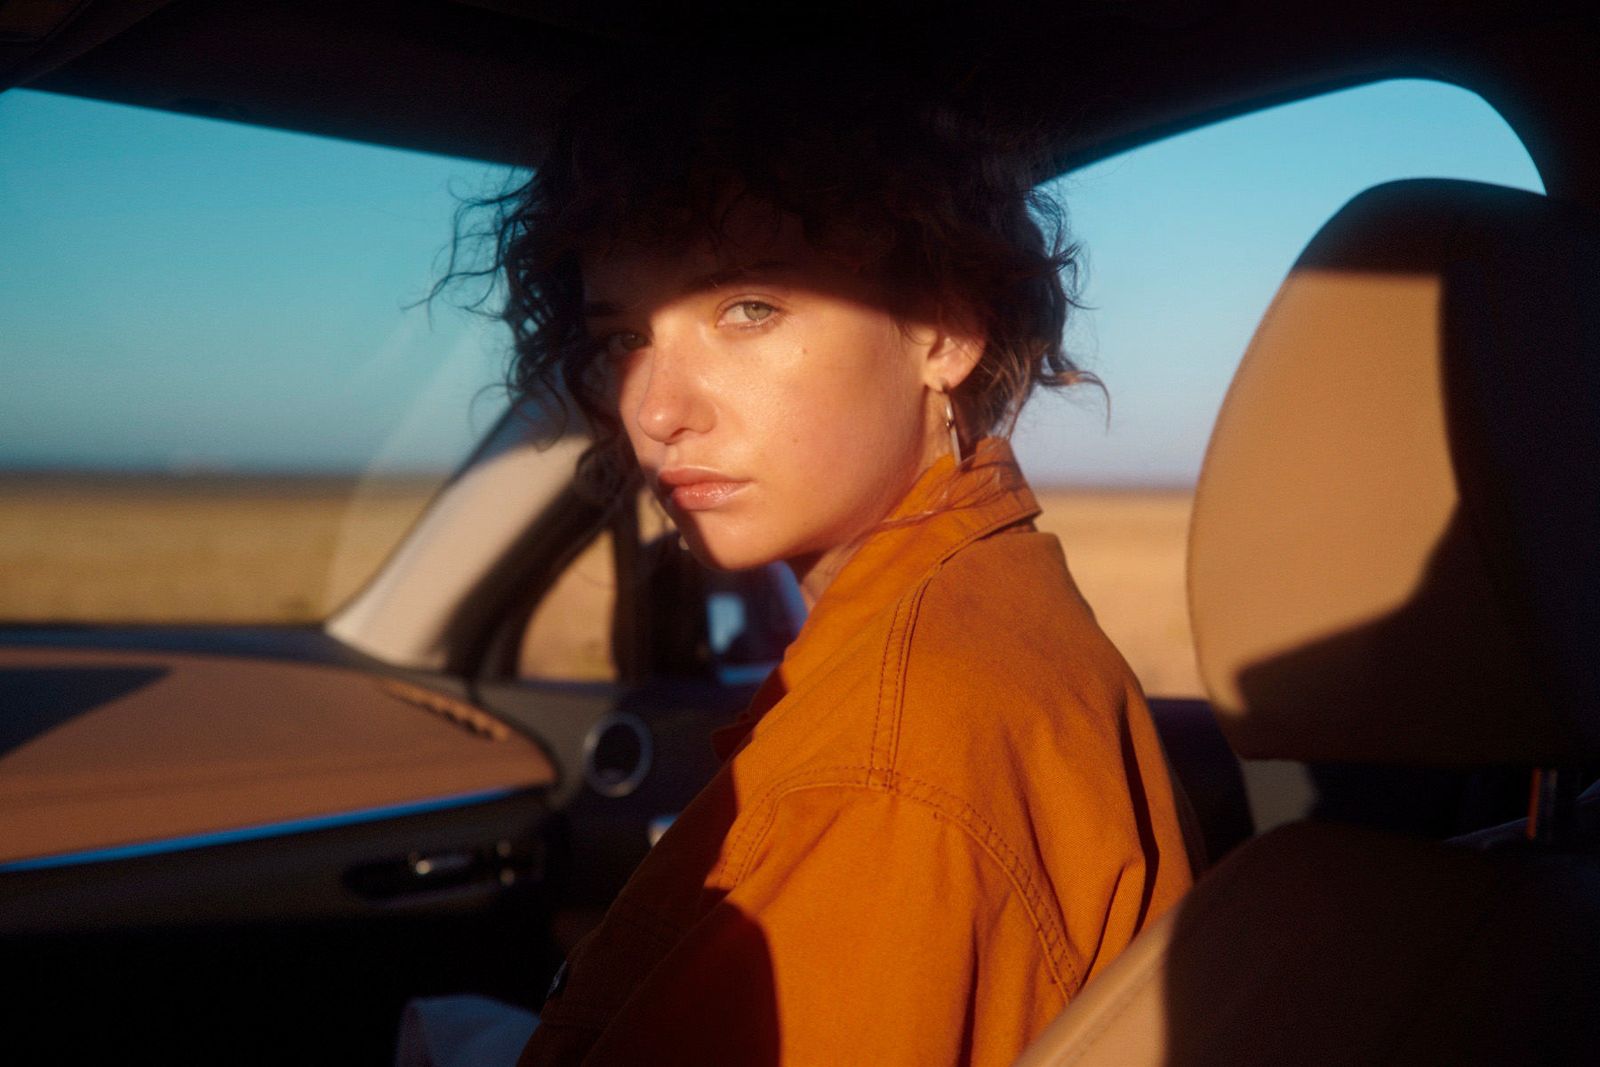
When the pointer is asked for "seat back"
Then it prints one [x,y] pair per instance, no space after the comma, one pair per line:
[1392,561]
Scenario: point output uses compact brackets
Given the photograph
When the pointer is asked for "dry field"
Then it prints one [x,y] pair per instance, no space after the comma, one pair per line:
[290,550]
[157,549]
[1126,550]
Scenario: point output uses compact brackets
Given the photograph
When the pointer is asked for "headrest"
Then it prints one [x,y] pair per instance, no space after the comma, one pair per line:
[1395,550]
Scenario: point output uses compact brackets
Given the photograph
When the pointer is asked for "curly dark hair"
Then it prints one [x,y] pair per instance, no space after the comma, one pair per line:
[889,176]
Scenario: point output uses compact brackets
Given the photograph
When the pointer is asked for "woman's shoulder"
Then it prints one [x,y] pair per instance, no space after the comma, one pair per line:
[1004,662]
[991,658]
[1008,608]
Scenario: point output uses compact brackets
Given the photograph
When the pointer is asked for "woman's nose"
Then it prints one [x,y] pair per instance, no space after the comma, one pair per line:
[672,402]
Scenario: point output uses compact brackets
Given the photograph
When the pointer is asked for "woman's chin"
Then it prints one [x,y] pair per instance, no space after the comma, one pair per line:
[723,553]
[724,560]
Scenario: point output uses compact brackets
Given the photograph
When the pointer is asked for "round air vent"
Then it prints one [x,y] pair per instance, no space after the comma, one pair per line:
[617,754]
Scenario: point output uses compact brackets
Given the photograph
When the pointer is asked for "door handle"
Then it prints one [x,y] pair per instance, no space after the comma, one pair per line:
[504,863]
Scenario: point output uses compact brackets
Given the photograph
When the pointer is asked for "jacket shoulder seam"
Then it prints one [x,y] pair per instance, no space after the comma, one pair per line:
[885,750]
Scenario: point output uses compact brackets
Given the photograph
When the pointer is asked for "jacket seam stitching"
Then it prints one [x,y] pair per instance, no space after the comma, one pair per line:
[960,812]
[1019,512]
[883,674]
[891,679]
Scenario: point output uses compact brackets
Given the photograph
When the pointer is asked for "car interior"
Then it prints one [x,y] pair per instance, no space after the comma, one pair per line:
[264,839]
[1429,628]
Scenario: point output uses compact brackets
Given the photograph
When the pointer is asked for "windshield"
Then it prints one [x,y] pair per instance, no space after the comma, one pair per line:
[223,400]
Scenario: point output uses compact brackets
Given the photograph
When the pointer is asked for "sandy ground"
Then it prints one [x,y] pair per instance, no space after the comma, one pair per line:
[291,551]
[172,550]
[1126,550]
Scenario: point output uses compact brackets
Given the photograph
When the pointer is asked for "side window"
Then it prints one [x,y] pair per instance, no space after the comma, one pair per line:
[1185,242]
[634,604]
[568,637]
[751,617]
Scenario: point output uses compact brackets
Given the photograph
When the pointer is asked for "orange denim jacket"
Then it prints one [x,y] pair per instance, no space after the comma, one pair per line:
[943,813]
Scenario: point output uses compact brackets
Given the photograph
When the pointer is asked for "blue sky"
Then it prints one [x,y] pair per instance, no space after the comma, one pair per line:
[1187,240]
[184,294]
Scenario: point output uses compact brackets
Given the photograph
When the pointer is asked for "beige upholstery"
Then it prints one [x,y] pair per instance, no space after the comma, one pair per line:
[1393,560]
[1321,944]
[1352,581]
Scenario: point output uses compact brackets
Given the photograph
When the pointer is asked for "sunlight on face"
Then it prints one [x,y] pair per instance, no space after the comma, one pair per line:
[777,412]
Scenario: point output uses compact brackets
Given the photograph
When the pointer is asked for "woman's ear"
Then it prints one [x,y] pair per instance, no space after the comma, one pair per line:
[952,354]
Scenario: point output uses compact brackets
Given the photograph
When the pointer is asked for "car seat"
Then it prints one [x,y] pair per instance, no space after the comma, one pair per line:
[1393,560]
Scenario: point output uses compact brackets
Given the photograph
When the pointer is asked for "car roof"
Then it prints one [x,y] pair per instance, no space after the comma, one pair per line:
[484,78]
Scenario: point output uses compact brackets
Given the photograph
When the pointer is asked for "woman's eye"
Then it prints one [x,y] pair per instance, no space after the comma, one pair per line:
[623,342]
[749,312]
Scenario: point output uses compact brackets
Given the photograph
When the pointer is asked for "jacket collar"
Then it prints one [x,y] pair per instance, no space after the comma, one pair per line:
[947,509]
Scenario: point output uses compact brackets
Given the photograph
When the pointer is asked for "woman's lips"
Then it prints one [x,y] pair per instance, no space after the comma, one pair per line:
[699,490]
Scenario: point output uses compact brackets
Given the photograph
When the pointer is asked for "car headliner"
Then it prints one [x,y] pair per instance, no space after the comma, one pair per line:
[483,78]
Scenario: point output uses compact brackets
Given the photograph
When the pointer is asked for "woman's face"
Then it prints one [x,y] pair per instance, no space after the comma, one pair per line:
[778,412]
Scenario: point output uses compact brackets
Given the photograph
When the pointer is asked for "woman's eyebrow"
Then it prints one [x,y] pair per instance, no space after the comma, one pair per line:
[718,278]
[601,309]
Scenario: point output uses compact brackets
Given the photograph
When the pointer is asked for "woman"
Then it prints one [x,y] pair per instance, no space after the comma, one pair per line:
[802,312]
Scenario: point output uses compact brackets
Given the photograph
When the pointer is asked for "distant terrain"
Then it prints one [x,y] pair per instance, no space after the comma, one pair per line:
[175,549]
[1126,548]
[155,548]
